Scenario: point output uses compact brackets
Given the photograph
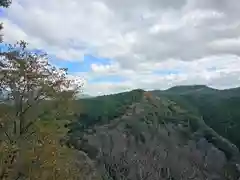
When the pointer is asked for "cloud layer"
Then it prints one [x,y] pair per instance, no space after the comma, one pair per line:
[150,44]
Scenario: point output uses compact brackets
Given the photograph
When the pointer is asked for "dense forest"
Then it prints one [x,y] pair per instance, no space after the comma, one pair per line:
[102,109]
[145,115]
[219,108]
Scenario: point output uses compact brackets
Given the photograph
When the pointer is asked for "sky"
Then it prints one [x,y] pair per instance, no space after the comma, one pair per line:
[119,45]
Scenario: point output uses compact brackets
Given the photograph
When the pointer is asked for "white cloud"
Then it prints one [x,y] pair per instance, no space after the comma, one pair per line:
[230,45]
[107,88]
[215,71]
[200,39]
[104,69]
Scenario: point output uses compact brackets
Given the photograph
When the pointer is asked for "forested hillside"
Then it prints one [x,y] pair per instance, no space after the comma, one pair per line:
[117,131]
[219,108]
[102,109]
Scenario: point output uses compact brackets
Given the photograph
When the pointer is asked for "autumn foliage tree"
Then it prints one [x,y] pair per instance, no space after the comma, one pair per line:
[36,100]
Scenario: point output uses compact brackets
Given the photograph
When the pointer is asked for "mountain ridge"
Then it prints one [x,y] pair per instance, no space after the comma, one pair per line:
[128,123]
[179,89]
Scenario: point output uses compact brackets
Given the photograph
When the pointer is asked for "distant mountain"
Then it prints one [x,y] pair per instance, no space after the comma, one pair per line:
[84,96]
[191,89]
[149,135]
[199,90]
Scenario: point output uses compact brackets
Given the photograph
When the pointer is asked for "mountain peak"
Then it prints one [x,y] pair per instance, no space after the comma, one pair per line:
[190,89]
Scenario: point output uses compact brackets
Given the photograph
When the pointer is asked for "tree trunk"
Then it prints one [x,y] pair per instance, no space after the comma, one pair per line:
[17,128]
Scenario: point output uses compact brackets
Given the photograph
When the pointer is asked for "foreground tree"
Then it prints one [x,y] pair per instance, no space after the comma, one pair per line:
[5,4]
[36,101]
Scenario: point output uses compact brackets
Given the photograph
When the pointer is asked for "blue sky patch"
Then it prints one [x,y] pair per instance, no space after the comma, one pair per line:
[2,12]
[73,66]
[38,51]
[167,72]
[3,47]
[80,66]
[96,60]
[113,79]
